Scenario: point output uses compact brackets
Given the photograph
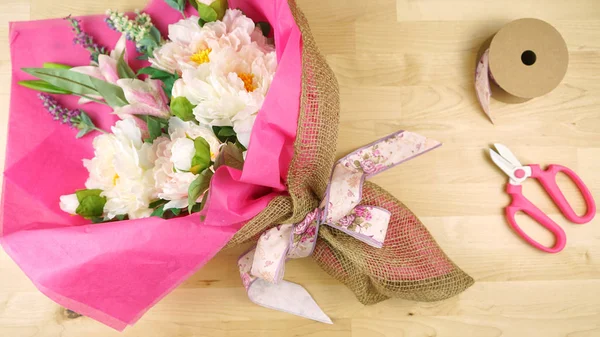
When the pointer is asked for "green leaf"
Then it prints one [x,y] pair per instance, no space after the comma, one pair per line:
[179,5]
[201,159]
[83,131]
[225,134]
[230,155]
[159,212]
[157,203]
[121,217]
[167,78]
[240,146]
[154,128]
[44,86]
[56,65]
[155,73]
[182,108]
[197,207]
[227,131]
[85,125]
[220,6]
[82,194]
[97,220]
[91,206]
[197,187]
[112,94]
[203,202]
[194,4]
[80,84]
[201,22]
[86,120]
[65,79]
[169,83]
[143,57]
[155,34]
[123,69]
[265,27]
[175,211]
[207,13]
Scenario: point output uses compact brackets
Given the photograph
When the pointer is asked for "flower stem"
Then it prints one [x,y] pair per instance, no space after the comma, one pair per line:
[93,99]
[100,130]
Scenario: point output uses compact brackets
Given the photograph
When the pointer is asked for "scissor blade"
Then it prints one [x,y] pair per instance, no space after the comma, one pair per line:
[502,163]
[507,154]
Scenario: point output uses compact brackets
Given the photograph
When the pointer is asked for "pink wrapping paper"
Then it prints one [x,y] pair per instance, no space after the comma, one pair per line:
[114,272]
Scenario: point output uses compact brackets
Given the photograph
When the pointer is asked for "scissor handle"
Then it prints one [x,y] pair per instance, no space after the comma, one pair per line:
[521,204]
[548,180]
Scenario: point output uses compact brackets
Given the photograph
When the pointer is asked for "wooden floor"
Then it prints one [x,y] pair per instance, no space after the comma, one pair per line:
[401,64]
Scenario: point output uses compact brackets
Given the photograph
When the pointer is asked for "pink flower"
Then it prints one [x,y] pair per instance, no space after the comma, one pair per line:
[346,221]
[301,226]
[368,166]
[363,212]
[310,234]
[144,98]
[246,280]
[380,167]
[106,69]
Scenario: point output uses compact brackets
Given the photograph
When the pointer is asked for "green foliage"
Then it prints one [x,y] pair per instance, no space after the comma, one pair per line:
[182,108]
[201,159]
[91,204]
[197,187]
[230,155]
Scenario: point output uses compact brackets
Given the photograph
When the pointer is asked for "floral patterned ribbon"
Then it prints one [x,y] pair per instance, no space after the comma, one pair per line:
[483,75]
[262,267]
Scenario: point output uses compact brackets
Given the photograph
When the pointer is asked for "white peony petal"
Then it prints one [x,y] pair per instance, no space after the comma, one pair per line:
[108,68]
[243,129]
[182,153]
[120,47]
[122,169]
[69,203]
[177,204]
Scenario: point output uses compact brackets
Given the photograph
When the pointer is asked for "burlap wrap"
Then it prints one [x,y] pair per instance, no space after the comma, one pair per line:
[410,265]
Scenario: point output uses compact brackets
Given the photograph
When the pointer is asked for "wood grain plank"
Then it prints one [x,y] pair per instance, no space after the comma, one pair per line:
[401,64]
[461,10]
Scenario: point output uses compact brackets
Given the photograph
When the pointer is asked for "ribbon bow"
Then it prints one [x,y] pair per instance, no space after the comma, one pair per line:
[262,268]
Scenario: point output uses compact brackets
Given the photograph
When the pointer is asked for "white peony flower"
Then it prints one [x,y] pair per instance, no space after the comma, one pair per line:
[178,129]
[232,90]
[190,45]
[121,168]
[171,184]
[182,152]
[174,160]
[69,203]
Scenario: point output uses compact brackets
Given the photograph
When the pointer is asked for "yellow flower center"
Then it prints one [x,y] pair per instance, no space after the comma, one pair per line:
[248,80]
[201,56]
[115,178]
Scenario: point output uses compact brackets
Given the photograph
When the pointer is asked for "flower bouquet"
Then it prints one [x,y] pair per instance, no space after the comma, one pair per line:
[196,127]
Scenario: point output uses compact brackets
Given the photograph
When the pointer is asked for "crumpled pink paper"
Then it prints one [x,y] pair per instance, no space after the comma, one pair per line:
[114,272]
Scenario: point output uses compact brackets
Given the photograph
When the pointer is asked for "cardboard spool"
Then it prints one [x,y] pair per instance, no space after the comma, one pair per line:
[528,58]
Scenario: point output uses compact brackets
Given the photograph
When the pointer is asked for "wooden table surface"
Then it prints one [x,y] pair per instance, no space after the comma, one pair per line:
[401,64]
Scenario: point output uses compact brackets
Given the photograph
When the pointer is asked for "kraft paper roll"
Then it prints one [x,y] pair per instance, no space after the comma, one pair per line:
[525,59]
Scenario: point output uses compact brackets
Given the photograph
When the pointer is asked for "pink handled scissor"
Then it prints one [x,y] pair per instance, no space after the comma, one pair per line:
[517,174]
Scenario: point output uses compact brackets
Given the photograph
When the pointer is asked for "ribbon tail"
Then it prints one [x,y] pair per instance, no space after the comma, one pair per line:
[482,84]
[287,297]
